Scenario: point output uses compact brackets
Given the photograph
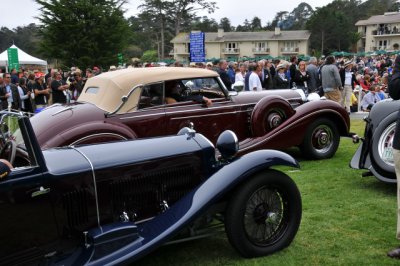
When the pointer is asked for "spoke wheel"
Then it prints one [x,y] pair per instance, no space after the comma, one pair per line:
[264,214]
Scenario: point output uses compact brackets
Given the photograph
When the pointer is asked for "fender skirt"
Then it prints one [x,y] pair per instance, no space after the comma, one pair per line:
[140,239]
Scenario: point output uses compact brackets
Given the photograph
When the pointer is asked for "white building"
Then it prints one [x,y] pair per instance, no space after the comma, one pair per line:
[245,44]
[380,32]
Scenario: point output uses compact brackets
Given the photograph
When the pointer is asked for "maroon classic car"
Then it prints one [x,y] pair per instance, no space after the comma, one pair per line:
[135,103]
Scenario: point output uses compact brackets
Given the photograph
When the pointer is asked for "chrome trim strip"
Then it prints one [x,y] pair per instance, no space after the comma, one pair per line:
[124,99]
[194,111]
[95,186]
[98,134]
[207,115]
[63,110]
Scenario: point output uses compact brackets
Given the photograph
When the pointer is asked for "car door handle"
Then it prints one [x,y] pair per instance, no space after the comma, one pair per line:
[39,192]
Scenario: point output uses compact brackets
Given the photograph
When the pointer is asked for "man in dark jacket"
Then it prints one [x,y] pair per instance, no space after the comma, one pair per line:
[9,94]
[292,69]
[394,92]
[224,75]
[59,88]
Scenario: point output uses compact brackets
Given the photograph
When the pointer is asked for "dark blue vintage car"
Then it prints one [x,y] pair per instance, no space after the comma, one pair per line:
[375,152]
[113,203]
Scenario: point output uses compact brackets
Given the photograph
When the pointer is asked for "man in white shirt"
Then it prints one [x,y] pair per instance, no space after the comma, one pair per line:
[254,79]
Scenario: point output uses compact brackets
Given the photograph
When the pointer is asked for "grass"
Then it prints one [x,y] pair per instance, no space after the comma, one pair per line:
[347,220]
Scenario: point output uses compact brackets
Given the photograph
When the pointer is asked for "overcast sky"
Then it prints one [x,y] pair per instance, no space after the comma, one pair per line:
[23,12]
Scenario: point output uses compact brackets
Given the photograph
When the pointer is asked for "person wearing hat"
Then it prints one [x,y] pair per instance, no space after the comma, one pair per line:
[348,79]
[280,79]
[42,92]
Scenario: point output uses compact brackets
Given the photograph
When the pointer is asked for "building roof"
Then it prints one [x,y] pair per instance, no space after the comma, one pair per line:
[247,36]
[387,18]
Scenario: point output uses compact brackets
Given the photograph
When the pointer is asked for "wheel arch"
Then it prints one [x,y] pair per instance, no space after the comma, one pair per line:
[81,131]
[251,164]
[266,104]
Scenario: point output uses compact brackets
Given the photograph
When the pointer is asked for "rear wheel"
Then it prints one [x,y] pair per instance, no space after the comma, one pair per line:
[264,214]
[321,140]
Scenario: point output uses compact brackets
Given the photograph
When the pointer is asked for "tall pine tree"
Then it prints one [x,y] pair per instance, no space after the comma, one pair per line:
[83,32]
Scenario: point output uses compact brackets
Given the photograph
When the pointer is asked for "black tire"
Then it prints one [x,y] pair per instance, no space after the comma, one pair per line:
[383,139]
[321,140]
[264,214]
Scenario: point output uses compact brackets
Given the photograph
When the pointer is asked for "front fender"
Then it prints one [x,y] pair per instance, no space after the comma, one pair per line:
[292,131]
[158,230]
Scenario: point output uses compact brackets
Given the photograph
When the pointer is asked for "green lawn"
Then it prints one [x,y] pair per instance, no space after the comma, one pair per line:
[347,220]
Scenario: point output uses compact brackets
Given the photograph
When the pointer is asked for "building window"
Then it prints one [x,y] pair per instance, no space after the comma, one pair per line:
[290,47]
[231,47]
[261,47]
[383,44]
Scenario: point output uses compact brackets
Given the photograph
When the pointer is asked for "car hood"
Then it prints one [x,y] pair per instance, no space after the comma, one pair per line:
[109,155]
[246,97]
[58,118]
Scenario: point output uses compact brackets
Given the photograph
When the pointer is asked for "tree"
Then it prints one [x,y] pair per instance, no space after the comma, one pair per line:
[83,33]
[300,15]
[149,56]
[157,12]
[245,27]
[225,24]
[184,10]
[256,24]
[204,24]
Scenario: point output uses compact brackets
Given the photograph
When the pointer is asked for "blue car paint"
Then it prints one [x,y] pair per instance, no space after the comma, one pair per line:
[160,229]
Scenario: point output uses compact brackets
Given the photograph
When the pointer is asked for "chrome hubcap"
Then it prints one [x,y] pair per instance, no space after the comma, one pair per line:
[322,138]
[385,144]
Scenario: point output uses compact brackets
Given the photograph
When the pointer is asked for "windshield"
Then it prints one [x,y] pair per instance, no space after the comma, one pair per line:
[10,130]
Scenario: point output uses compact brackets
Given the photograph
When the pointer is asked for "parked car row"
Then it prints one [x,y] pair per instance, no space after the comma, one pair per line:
[132,103]
[130,167]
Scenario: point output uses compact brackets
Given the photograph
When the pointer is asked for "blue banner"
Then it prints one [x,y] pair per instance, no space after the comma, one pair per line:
[197,50]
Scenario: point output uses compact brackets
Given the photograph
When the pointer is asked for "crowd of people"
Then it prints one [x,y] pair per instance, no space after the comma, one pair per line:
[32,90]
[356,83]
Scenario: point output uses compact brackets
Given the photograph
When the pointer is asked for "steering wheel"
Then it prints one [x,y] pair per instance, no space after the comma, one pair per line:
[9,148]
[186,91]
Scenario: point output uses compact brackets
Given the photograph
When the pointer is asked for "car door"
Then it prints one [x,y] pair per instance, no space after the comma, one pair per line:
[223,114]
[27,220]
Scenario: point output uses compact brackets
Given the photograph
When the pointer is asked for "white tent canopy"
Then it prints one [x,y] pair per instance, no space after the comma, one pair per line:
[24,58]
